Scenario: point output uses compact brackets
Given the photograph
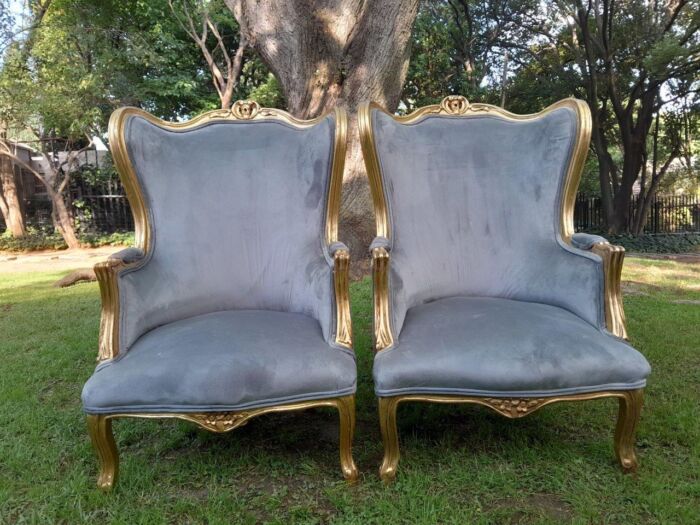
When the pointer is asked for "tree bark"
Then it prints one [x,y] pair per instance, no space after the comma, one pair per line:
[62,218]
[9,199]
[335,52]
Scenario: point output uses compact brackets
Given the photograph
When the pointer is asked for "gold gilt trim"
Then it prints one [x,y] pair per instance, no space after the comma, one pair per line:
[613,258]
[630,406]
[100,426]
[241,110]
[341,285]
[106,273]
[336,183]
[100,429]
[383,335]
[457,107]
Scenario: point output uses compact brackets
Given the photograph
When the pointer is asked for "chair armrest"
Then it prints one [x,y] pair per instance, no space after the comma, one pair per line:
[383,337]
[584,241]
[613,256]
[128,255]
[107,273]
[341,285]
[380,242]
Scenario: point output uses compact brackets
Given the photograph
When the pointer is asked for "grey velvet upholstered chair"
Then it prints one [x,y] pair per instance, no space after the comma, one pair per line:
[482,292]
[234,302]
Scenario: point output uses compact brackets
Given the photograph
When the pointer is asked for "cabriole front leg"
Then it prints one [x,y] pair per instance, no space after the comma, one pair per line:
[390,438]
[346,409]
[630,409]
[100,429]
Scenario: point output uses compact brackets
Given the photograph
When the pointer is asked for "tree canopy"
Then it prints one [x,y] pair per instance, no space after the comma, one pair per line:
[67,64]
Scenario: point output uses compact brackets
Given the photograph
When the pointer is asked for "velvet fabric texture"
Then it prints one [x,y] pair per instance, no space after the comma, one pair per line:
[229,360]
[237,213]
[474,207]
[233,305]
[498,347]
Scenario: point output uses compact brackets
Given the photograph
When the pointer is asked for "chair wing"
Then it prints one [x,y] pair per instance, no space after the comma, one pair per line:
[473,200]
[234,210]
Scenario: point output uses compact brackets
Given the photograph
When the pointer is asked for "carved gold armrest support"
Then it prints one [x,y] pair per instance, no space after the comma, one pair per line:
[106,273]
[341,283]
[383,338]
[613,257]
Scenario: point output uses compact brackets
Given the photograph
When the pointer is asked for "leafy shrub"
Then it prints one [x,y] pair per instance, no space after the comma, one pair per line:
[658,242]
[41,239]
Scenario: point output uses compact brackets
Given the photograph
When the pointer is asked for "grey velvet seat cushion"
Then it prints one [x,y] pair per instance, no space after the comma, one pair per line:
[227,360]
[501,347]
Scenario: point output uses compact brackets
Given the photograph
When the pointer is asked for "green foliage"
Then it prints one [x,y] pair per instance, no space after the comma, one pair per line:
[88,58]
[669,243]
[267,94]
[38,239]
[460,48]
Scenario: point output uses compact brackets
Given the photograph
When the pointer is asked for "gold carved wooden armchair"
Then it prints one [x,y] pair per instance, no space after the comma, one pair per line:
[234,302]
[482,292]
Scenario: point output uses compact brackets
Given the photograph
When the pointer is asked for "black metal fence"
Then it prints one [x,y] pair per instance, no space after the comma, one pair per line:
[101,208]
[667,214]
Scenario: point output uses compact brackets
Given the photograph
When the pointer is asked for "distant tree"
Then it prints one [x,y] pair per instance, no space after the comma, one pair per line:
[10,205]
[70,63]
[632,62]
[215,32]
[467,47]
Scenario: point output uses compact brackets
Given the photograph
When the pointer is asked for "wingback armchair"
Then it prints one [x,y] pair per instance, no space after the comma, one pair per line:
[483,293]
[234,302]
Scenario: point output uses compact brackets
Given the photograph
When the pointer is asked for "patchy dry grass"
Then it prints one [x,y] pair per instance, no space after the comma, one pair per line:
[459,464]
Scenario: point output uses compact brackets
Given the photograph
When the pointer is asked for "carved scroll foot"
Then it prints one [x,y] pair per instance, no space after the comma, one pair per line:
[390,438]
[627,419]
[346,409]
[100,429]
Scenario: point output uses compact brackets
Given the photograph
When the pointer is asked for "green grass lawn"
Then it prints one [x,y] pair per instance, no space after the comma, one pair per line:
[460,464]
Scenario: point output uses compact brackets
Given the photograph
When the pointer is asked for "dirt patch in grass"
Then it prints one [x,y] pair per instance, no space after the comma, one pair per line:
[535,507]
[54,260]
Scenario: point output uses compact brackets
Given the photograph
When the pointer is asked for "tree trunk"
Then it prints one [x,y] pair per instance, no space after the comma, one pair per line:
[63,219]
[328,53]
[9,200]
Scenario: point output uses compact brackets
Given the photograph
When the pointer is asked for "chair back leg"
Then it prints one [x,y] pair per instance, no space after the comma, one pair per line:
[628,417]
[100,429]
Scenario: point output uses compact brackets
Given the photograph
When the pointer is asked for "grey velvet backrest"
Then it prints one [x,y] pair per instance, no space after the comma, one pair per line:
[472,200]
[232,210]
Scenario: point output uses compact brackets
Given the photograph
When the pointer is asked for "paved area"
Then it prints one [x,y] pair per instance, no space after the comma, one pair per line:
[54,260]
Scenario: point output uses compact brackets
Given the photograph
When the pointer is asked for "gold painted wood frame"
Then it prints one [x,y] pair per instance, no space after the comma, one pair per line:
[100,430]
[628,416]
[107,272]
[455,106]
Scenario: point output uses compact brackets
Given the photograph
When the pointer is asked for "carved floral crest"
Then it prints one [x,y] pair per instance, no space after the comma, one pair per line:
[515,407]
[245,109]
[455,105]
[220,421]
